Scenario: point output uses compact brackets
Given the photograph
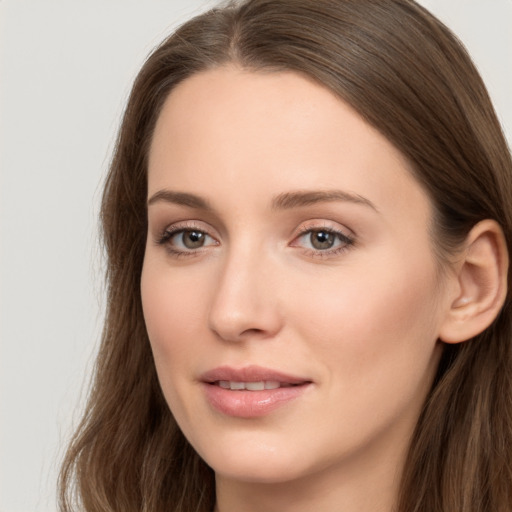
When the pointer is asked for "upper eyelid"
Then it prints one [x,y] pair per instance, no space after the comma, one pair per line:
[328,225]
[189,225]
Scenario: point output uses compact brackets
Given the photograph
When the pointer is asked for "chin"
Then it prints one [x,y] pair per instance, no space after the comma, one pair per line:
[255,461]
[260,471]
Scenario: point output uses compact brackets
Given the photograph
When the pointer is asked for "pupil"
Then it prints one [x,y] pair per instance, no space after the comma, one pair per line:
[322,239]
[193,239]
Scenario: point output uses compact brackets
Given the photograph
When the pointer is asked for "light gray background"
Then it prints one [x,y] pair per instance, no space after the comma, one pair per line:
[65,71]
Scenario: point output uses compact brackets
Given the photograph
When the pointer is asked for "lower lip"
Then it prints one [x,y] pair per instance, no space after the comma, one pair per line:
[250,404]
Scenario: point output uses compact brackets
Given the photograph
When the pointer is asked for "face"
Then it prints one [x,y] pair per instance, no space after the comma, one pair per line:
[290,291]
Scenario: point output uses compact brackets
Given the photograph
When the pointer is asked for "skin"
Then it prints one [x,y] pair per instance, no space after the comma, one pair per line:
[361,320]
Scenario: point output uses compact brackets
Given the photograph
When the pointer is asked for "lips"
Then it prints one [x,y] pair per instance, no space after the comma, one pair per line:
[251,391]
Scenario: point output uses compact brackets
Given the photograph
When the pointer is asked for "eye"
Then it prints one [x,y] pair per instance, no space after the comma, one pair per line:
[181,240]
[323,240]
[189,239]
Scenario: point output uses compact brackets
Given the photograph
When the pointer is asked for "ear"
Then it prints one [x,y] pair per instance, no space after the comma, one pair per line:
[481,289]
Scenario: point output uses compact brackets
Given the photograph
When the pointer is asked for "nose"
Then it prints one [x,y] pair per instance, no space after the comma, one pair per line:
[244,304]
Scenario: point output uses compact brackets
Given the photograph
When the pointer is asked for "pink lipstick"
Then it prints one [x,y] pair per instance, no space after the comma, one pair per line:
[252,391]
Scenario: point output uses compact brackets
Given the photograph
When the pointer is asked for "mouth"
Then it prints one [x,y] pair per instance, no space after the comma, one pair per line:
[251,378]
[252,386]
[252,391]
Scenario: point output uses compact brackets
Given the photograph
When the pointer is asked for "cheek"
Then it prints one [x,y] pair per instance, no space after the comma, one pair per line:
[375,328]
[174,317]
[173,314]
[375,336]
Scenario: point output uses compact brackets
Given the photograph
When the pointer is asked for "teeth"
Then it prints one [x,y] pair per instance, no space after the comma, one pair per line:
[250,386]
[255,386]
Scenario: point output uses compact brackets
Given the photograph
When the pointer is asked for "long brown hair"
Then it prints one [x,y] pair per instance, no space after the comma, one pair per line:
[408,76]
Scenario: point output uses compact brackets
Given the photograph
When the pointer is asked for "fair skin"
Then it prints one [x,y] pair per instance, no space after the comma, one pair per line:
[286,233]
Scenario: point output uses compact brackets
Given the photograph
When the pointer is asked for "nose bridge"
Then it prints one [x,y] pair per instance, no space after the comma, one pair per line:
[244,300]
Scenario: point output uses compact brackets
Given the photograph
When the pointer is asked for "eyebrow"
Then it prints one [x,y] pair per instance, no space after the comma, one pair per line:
[289,200]
[284,201]
[180,198]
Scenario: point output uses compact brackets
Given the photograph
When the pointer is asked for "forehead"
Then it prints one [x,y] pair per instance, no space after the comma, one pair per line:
[259,134]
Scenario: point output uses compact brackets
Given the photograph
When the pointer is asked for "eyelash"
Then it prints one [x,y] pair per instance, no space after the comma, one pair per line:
[346,241]
[169,233]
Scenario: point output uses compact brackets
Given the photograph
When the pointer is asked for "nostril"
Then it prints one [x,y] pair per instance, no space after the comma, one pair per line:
[253,332]
[242,335]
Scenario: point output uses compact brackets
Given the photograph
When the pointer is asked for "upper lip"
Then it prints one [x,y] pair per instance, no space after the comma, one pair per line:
[250,374]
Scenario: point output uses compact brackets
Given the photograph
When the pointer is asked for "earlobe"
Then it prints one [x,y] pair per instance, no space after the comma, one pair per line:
[482,284]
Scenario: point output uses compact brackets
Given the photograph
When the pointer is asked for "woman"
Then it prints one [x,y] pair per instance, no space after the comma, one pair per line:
[307,219]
